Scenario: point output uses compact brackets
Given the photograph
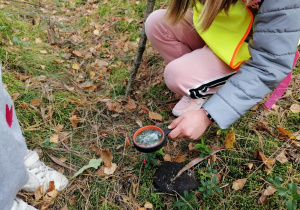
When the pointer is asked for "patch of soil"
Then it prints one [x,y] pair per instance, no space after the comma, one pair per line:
[162,179]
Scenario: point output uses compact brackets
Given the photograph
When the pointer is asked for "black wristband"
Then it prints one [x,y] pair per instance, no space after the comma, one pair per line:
[209,116]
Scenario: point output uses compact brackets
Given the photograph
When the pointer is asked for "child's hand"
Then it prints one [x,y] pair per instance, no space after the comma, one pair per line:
[190,125]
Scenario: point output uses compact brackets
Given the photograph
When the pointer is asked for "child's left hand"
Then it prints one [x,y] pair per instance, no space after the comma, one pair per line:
[190,125]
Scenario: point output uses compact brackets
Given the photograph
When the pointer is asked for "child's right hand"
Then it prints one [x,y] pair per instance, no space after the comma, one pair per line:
[190,125]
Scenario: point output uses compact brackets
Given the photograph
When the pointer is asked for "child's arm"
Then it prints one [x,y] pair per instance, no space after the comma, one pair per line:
[275,39]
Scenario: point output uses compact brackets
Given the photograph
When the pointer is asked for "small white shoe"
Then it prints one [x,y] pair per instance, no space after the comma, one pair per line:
[188,104]
[19,204]
[40,174]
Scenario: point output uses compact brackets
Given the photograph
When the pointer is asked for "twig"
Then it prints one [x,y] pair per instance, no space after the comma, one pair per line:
[141,48]
[214,149]
[138,182]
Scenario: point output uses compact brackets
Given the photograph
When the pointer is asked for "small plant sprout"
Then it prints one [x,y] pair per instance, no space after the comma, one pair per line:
[276,180]
[208,188]
[289,192]
[207,172]
[203,148]
[187,201]
[149,159]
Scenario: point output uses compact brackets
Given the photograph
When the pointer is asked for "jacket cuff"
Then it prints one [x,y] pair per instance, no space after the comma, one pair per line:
[221,112]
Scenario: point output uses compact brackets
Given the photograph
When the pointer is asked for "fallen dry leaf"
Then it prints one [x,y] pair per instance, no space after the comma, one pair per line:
[114,106]
[38,194]
[180,158]
[295,108]
[229,140]
[50,196]
[239,184]
[130,106]
[110,170]
[250,165]
[74,120]
[15,96]
[35,102]
[139,122]
[192,146]
[24,105]
[260,156]
[148,205]
[65,207]
[75,66]
[167,157]
[281,157]
[51,186]
[106,157]
[78,53]
[54,138]
[269,164]
[127,142]
[265,194]
[285,132]
[155,116]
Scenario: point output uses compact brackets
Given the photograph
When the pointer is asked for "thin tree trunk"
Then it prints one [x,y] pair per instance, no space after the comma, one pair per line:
[140,50]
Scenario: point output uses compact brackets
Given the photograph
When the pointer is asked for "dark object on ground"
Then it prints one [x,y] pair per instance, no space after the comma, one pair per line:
[163,176]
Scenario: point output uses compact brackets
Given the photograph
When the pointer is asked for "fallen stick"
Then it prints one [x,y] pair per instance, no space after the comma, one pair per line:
[214,150]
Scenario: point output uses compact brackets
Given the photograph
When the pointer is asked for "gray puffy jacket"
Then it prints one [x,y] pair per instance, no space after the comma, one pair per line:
[276,32]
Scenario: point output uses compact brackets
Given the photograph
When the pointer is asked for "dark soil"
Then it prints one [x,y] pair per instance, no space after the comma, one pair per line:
[163,176]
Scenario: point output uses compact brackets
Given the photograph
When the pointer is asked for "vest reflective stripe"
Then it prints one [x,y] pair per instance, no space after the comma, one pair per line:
[226,35]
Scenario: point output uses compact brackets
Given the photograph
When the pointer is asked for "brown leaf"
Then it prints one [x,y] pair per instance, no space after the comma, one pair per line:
[144,110]
[127,142]
[51,186]
[250,165]
[230,140]
[155,116]
[180,158]
[192,146]
[131,106]
[295,108]
[24,105]
[65,207]
[96,149]
[54,138]
[285,132]
[50,196]
[74,120]
[269,165]
[167,157]
[106,157]
[38,194]
[148,205]
[265,194]
[239,184]
[78,53]
[139,122]
[114,106]
[15,96]
[110,170]
[260,156]
[281,157]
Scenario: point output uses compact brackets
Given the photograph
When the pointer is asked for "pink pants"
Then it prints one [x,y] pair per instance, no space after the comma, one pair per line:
[193,69]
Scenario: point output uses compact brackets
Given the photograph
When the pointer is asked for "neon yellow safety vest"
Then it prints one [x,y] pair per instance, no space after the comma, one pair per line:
[227,33]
